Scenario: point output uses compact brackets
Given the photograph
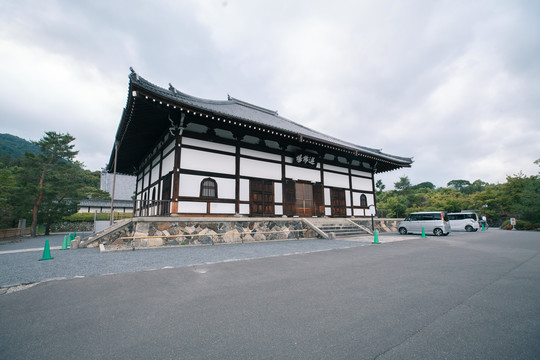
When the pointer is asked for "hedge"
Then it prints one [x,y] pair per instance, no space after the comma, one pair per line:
[77,217]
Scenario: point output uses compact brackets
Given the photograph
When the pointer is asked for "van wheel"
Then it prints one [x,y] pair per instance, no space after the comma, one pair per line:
[469,228]
[438,232]
[403,231]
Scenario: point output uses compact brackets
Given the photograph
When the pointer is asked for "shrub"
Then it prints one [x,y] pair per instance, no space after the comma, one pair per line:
[78,217]
[520,225]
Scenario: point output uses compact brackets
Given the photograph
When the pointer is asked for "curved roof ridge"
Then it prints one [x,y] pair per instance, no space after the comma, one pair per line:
[256,107]
[237,108]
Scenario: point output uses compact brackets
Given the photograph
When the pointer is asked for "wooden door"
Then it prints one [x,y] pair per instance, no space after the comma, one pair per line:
[165,195]
[318,197]
[261,197]
[304,199]
[337,202]
[289,198]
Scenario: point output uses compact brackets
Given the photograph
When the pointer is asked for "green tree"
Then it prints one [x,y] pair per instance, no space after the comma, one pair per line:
[458,184]
[55,148]
[380,187]
[7,187]
[424,185]
[403,184]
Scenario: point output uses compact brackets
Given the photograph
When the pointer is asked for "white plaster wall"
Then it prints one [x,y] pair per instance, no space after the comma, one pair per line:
[336,168]
[370,199]
[260,169]
[336,180]
[260,154]
[219,208]
[327,199]
[278,192]
[168,164]
[362,184]
[226,188]
[299,173]
[207,161]
[359,212]
[190,185]
[168,148]
[146,179]
[244,209]
[208,145]
[328,211]
[155,173]
[349,212]
[278,209]
[191,207]
[244,190]
[361,173]
[347,198]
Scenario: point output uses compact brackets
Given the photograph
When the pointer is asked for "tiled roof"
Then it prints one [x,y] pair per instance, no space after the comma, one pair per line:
[105,203]
[241,110]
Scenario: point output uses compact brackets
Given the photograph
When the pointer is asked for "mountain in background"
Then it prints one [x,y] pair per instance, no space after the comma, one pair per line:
[15,147]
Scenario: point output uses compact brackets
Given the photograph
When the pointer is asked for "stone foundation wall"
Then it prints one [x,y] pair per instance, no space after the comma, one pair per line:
[150,233]
[381,225]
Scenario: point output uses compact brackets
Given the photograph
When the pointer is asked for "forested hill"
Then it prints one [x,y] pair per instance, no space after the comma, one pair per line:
[15,147]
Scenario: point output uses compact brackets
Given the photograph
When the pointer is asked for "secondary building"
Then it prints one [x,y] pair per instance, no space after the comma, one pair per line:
[199,157]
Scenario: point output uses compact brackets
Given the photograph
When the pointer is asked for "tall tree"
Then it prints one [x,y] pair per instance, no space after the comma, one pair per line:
[403,184]
[55,148]
[458,184]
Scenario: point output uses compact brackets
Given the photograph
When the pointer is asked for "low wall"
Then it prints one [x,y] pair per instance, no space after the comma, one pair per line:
[6,234]
[380,224]
[150,232]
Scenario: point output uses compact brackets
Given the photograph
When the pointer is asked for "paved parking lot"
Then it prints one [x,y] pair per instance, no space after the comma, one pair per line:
[465,296]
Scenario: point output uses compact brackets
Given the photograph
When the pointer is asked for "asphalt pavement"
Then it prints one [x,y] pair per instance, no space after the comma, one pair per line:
[464,296]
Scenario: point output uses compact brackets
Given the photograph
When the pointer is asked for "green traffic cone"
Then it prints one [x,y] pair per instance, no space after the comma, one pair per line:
[376,239]
[423,233]
[46,252]
[483,229]
[65,244]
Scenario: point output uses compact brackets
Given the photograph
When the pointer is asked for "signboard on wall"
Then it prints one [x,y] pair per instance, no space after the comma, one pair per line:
[307,160]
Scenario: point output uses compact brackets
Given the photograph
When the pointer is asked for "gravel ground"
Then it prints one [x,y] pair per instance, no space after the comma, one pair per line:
[19,261]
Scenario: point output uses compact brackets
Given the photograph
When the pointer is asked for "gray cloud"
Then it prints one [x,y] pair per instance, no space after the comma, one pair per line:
[454,84]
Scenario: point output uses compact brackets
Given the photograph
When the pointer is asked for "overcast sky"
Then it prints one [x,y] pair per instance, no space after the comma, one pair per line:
[453,84]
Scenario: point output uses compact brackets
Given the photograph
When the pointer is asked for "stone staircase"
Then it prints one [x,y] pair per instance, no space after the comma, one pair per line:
[331,228]
[93,239]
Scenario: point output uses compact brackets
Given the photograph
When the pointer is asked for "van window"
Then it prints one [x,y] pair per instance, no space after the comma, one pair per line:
[470,216]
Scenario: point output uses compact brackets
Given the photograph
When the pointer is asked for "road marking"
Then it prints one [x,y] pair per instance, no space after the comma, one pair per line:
[27,250]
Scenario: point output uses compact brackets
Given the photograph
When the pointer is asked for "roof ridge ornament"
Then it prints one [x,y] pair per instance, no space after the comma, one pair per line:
[134,73]
[256,107]
[172,88]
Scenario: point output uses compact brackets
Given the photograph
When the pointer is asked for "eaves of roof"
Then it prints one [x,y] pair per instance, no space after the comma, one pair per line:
[240,110]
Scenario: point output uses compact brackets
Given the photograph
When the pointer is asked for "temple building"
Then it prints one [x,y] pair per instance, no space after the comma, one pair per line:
[199,157]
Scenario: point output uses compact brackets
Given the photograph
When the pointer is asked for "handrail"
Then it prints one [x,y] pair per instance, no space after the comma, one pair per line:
[210,235]
[152,208]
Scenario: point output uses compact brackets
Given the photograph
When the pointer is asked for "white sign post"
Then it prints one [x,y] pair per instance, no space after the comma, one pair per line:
[513,223]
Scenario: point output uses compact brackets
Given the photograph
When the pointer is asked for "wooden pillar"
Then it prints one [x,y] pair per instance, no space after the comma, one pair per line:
[176,174]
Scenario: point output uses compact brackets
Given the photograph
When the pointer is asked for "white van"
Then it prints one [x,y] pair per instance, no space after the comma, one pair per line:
[433,222]
[464,221]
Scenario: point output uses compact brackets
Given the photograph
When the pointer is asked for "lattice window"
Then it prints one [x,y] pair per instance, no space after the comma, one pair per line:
[363,201]
[209,188]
